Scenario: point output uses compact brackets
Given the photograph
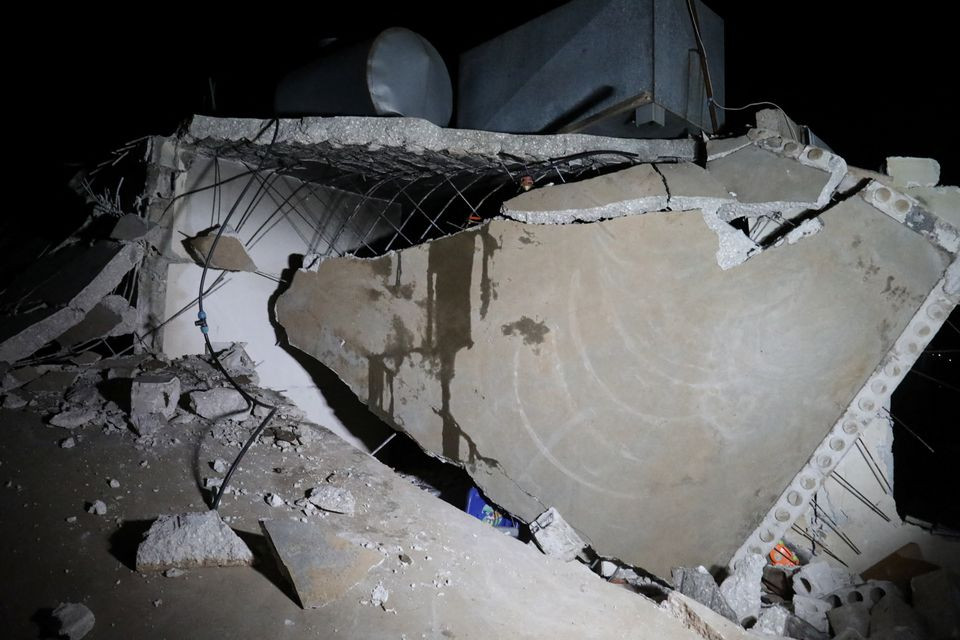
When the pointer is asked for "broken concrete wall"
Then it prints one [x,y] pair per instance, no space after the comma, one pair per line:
[613,370]
[310,218]
[280,225]
[868,469]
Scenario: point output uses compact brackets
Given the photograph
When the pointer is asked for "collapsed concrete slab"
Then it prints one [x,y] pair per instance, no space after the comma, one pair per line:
[58,292]
[608,369]
[191,540]
[112,316]
[321,566]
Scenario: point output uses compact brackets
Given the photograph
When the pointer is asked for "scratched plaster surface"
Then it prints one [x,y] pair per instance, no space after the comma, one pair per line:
[612,369]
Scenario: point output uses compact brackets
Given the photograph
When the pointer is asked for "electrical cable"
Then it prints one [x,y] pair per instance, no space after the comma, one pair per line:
[204,329]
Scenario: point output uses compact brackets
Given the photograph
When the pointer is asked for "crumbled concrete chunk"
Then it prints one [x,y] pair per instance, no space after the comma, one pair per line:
[936,599]
[97,507]
[191,540]
[913,172]
[148,424]
[154,394]
[13,401]
[220,465]
[221,402]
[699,585]
[813,611]
[379,595]
[819,578]
[273,500]
[74,417]
[555,537]
[230,254]
[70,519]
[741,589]
[777,621]
[114,483]
[335,499]
[854,616]
[68,443]
[174,573]
[75,619]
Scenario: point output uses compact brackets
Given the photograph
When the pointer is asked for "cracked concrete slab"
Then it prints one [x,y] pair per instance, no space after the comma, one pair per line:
[321,566]
[637,189]
[58,292]
[631,387]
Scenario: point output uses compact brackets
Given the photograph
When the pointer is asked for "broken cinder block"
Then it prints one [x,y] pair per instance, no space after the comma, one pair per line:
[221,402]
[699,585]
[741,589]
[555,537]
[191,540]
[154,394]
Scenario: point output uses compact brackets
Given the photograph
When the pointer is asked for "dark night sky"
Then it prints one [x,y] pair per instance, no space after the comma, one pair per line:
[870,82]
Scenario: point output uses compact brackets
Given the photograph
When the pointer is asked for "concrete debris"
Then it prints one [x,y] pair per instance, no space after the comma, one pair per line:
[702,620]
[555,537]
[233,357]
[131,228]
[112,316]
[59,291]
[379,595]
[229,255]
[936,599]
[68,443]
[779,123]
[334,499]
[854,616]
[894,617]
[699,585]
[220,465]
[148,424]
[741,589]
[804,229]
[97,507]
[75,620]
[114,483]
[320,566]
[154,394]
[273,500]
[819,578]
[424,345]
[191,540]
[219,403]
[812,611]
[913,172]
[778,621]
[635,190]
[13,401]
[607,568]
[414,134]
[174,573]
